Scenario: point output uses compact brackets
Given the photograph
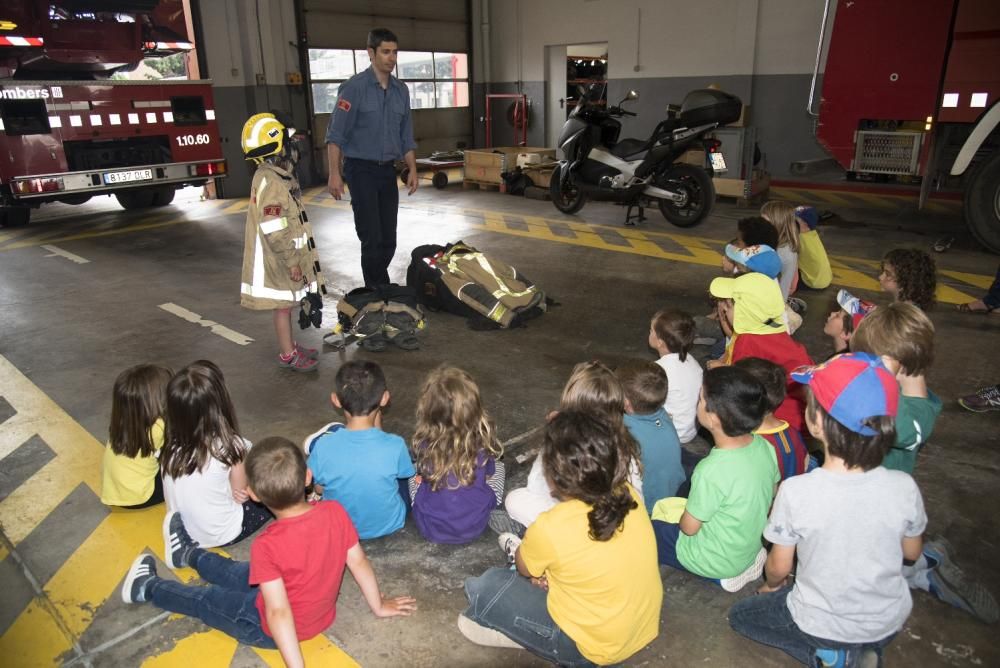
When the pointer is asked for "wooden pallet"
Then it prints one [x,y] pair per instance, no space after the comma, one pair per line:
[468,184]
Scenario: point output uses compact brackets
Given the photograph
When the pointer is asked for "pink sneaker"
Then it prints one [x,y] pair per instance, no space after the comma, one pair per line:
[311,353]
[298,362]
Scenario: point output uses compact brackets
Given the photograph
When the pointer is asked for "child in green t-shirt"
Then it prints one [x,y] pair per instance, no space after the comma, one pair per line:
[903,336]
[719,533]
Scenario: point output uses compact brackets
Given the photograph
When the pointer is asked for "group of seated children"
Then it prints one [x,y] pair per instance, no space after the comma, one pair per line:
[602,508]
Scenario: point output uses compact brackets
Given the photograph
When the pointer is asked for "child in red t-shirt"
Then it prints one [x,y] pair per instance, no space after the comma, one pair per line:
[287,592]
[759,330]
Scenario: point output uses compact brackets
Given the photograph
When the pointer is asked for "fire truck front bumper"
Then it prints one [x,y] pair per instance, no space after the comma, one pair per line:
[98,181]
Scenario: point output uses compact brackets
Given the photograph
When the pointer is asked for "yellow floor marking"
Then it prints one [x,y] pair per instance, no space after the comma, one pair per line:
[37,241]
[318,651]
[34,639]
[237,206]
[209,648]
[15,431]
[78,456]
[835,199]
[978,280]
[949,295]
[79,587]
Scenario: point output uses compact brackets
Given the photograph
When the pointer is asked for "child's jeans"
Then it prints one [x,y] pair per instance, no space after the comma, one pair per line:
[502,600]
[765,619]
[227,604]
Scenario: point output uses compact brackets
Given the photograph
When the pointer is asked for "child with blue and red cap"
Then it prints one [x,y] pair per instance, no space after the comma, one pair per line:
[849,597]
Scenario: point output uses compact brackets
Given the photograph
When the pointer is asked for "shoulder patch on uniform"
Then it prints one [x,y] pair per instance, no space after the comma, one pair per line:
[273,210]
[343,104]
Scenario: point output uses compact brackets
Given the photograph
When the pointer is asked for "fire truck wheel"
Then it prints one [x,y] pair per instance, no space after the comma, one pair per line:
[14,216]
[164,196]
[141,198]
[75,199]
[982,203]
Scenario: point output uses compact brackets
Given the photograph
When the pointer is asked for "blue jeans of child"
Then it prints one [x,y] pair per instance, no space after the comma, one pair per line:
[502,600]
[227,604]
[765,619]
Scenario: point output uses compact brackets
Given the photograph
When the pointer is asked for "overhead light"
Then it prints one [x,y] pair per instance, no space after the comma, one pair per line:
[979,99]
[950,100]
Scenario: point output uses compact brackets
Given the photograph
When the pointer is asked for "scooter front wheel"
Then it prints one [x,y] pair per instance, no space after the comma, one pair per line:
[699,194]
[568,198]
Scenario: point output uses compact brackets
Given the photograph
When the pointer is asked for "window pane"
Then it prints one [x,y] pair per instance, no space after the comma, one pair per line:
[331,64]
[452,94]
[324,96]
[421,94]
[415,65]
[361,59]
[451,66]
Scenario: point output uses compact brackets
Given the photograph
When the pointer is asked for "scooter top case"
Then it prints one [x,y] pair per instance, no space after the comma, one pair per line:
[710,106]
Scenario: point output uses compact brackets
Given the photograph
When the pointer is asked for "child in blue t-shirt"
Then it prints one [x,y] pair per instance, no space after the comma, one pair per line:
[645,385]
[358,464]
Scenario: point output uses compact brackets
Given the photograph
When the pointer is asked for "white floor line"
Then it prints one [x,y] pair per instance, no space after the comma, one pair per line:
[216,328]
[72,257]
[85,658]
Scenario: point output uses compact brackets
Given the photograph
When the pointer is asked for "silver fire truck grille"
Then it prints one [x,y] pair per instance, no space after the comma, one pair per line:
[886,152]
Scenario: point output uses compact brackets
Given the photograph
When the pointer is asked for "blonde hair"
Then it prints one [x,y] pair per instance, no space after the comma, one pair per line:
[452,428]
[898,330]
[782,216]
[593,388]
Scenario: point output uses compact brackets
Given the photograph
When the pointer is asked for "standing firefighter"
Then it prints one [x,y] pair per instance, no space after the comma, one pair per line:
[280,262]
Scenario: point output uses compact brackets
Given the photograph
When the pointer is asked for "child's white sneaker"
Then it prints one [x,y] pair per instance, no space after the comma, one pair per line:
[509,543]
[484,636]
[753,572]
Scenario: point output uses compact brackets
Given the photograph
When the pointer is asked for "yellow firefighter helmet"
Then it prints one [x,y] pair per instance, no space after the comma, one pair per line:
[264,135]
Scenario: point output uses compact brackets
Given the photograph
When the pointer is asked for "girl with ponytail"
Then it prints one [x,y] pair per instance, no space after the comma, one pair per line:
[586,573]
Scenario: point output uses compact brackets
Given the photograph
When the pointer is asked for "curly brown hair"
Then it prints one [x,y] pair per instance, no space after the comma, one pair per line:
[915,274]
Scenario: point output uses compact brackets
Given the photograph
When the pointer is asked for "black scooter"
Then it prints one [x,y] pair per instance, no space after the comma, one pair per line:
[637,172]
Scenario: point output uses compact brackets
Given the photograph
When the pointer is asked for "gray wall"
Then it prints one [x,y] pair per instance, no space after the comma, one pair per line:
[760,50]
[249,77]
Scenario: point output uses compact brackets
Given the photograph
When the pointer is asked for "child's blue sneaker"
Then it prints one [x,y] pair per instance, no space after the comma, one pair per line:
[949,584]
[832,658]
[140,574]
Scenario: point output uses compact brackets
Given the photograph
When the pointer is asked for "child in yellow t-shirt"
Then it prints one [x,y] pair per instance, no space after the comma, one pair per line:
[131,469]
[814,265]
[586,573]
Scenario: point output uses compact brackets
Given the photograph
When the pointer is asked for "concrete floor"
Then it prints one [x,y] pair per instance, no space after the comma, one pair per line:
[69,327]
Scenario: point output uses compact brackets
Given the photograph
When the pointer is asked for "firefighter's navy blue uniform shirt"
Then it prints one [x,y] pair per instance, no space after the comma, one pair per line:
[372,123]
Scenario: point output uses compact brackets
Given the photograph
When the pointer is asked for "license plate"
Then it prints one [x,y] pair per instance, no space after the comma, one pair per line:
[130,176]
[718,162]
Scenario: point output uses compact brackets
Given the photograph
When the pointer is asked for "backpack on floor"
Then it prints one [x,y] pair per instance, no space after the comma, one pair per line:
[374,316]
[462,280]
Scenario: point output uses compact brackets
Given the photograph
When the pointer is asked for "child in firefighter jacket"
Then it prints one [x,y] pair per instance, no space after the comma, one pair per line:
[280,262]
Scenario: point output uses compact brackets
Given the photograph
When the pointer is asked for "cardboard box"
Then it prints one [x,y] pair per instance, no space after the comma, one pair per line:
[486,164]
[741,188]
[693,156]
[540,175]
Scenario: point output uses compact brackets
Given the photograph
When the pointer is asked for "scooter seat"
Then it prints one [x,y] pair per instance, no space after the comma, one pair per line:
[628,147]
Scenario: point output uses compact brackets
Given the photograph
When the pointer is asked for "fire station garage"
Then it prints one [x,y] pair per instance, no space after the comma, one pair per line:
[576,332]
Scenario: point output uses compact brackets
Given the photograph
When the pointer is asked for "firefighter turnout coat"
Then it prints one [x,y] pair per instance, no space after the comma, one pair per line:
[278,238]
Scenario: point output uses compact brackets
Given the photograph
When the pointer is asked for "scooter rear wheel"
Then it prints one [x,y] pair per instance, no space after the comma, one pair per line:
[569,199]
[696,185]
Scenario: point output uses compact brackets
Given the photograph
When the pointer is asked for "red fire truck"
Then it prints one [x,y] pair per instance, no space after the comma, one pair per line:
[68,131]
[911,90]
